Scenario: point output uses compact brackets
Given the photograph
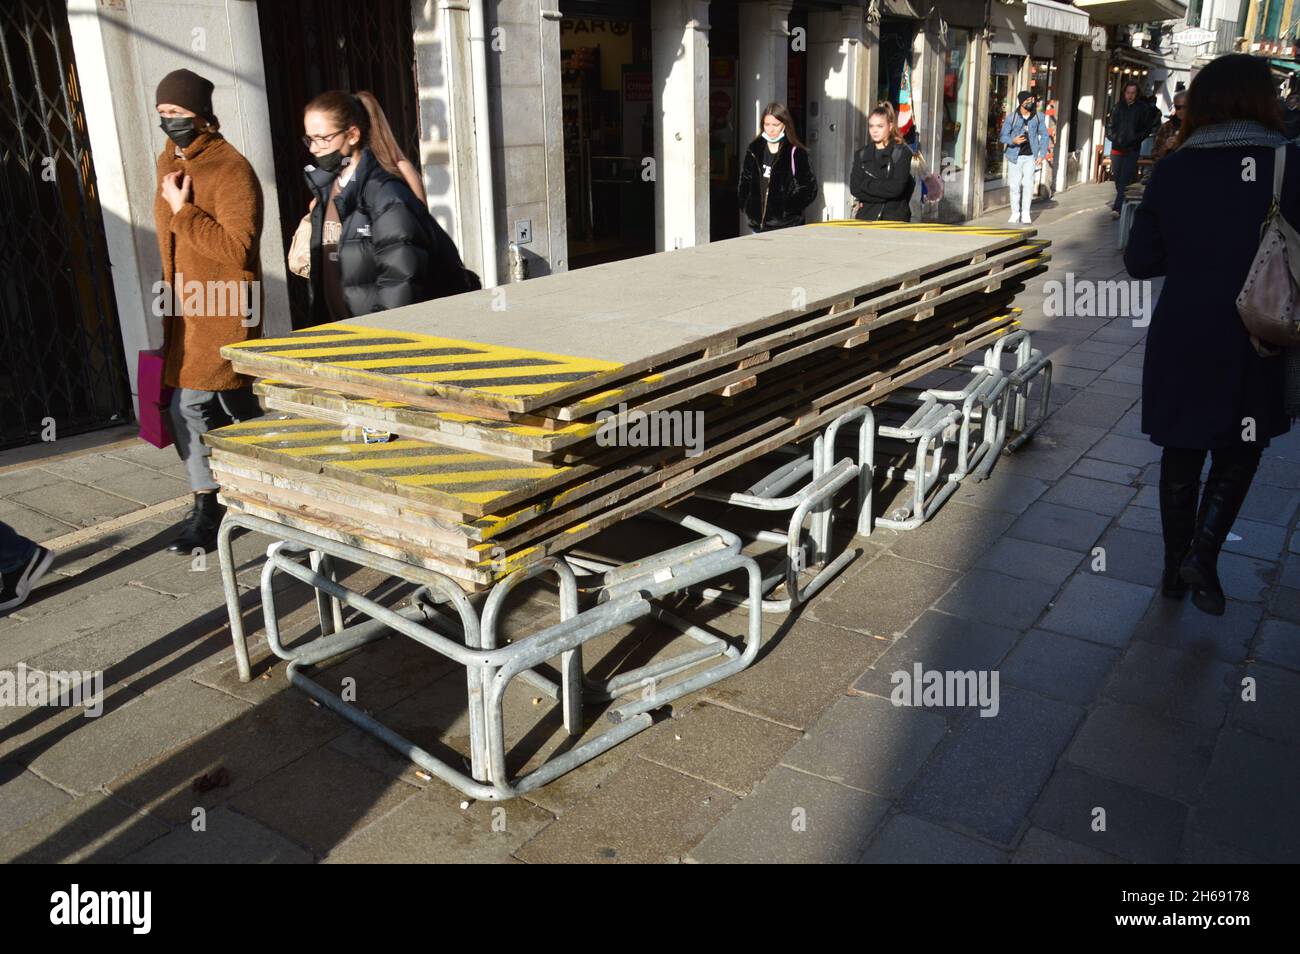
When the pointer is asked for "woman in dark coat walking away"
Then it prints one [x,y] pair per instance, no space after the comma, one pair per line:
[374,245]
[776,177]
[1204,386]
[882,180]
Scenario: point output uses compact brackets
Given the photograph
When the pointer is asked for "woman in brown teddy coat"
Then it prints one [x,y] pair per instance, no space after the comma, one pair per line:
[208,213]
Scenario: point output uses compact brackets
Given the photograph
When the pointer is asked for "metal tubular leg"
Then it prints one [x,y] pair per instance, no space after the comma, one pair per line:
[569,692]
[231,585]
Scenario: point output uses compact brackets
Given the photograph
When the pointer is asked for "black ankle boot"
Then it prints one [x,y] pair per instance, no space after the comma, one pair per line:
[1178,521]
[199,529]
[1225,491]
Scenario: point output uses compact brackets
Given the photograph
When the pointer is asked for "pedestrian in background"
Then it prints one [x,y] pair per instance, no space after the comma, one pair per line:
[1024,137]
[1204,386]
[881,180]
[1167,137]
[373,244]
[1131,121]
[208,214]
[777,181]
[1291,116]
[22,563]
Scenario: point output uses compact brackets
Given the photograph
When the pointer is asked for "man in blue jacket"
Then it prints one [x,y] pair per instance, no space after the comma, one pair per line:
[1024,134]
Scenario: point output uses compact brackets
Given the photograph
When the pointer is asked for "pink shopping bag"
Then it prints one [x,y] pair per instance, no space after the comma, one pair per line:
[155,400]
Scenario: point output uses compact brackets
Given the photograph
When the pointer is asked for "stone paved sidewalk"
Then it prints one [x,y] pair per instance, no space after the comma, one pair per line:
[1112,697]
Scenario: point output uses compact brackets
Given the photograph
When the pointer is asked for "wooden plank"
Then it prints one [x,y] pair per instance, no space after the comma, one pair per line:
[505,561]
[663,306]
[563,513]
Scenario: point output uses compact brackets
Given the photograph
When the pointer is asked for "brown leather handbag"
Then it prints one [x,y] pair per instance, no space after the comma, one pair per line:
[1269,302]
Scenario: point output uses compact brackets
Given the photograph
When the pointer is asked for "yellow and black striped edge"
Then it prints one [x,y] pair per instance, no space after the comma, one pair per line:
[457,481]
[513,379]
[920,227]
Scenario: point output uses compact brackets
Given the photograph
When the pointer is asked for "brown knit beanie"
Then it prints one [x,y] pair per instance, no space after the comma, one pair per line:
[187,90]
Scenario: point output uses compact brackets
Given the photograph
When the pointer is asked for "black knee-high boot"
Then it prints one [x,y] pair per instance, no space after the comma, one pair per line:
[1180,485]
[1226,487]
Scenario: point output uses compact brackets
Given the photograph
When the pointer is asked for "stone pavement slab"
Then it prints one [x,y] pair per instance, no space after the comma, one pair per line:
[1104,815]
[728,749]
[645,813]
[94,828]
[432,828]
[104,747]
[320,799]
[799,672]
[1139,748]
[988,775]
[794,818]
[1098,609]
[1249,796]
[906,839]
[867,742]
[882,597]
[227,838]
[1057,666]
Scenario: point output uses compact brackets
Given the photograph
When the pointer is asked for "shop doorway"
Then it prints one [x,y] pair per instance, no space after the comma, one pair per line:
[64,371]
[310,46]
[608,108]
[1003,70]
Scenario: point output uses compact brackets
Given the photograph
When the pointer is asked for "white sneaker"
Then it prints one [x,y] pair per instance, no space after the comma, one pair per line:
[1015,217]
[1026,220]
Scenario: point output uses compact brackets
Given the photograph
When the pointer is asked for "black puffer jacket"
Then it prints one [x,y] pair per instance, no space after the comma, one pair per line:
[792,189]
[391,251]
[1130,125]
[882,181]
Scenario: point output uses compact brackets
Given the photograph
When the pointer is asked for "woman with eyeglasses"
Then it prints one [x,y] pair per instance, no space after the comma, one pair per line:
[374,245]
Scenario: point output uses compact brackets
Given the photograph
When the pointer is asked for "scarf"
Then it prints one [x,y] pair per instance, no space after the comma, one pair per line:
[1251,133]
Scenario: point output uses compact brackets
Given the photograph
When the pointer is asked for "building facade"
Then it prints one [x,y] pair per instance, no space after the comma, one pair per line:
[556,134]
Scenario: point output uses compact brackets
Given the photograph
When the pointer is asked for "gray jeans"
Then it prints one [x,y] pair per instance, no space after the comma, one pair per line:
[194,413]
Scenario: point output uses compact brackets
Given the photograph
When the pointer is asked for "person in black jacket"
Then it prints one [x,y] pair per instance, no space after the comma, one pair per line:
[374,245]
[777,181]
[1204,385]
[1131,121]
[881,180]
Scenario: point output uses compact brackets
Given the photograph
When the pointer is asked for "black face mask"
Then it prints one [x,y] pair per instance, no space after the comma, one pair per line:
[330,162]
[179,129]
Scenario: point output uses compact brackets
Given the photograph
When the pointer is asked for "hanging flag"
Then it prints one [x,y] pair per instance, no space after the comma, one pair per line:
[905,101]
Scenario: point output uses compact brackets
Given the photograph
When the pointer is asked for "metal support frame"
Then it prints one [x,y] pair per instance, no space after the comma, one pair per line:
[625,596]
[997,399]
[925,429]
[1030,364]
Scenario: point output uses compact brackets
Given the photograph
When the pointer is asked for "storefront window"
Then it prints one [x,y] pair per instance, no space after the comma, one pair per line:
[896,37]
[1042,79]
[956,106]
[1042,82]
[1002,92]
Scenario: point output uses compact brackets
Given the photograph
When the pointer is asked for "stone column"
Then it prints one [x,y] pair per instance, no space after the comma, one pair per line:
[763,65]
[680,54]
[836,61]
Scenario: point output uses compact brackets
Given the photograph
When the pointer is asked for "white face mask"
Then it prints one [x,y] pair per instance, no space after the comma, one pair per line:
[777,138]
